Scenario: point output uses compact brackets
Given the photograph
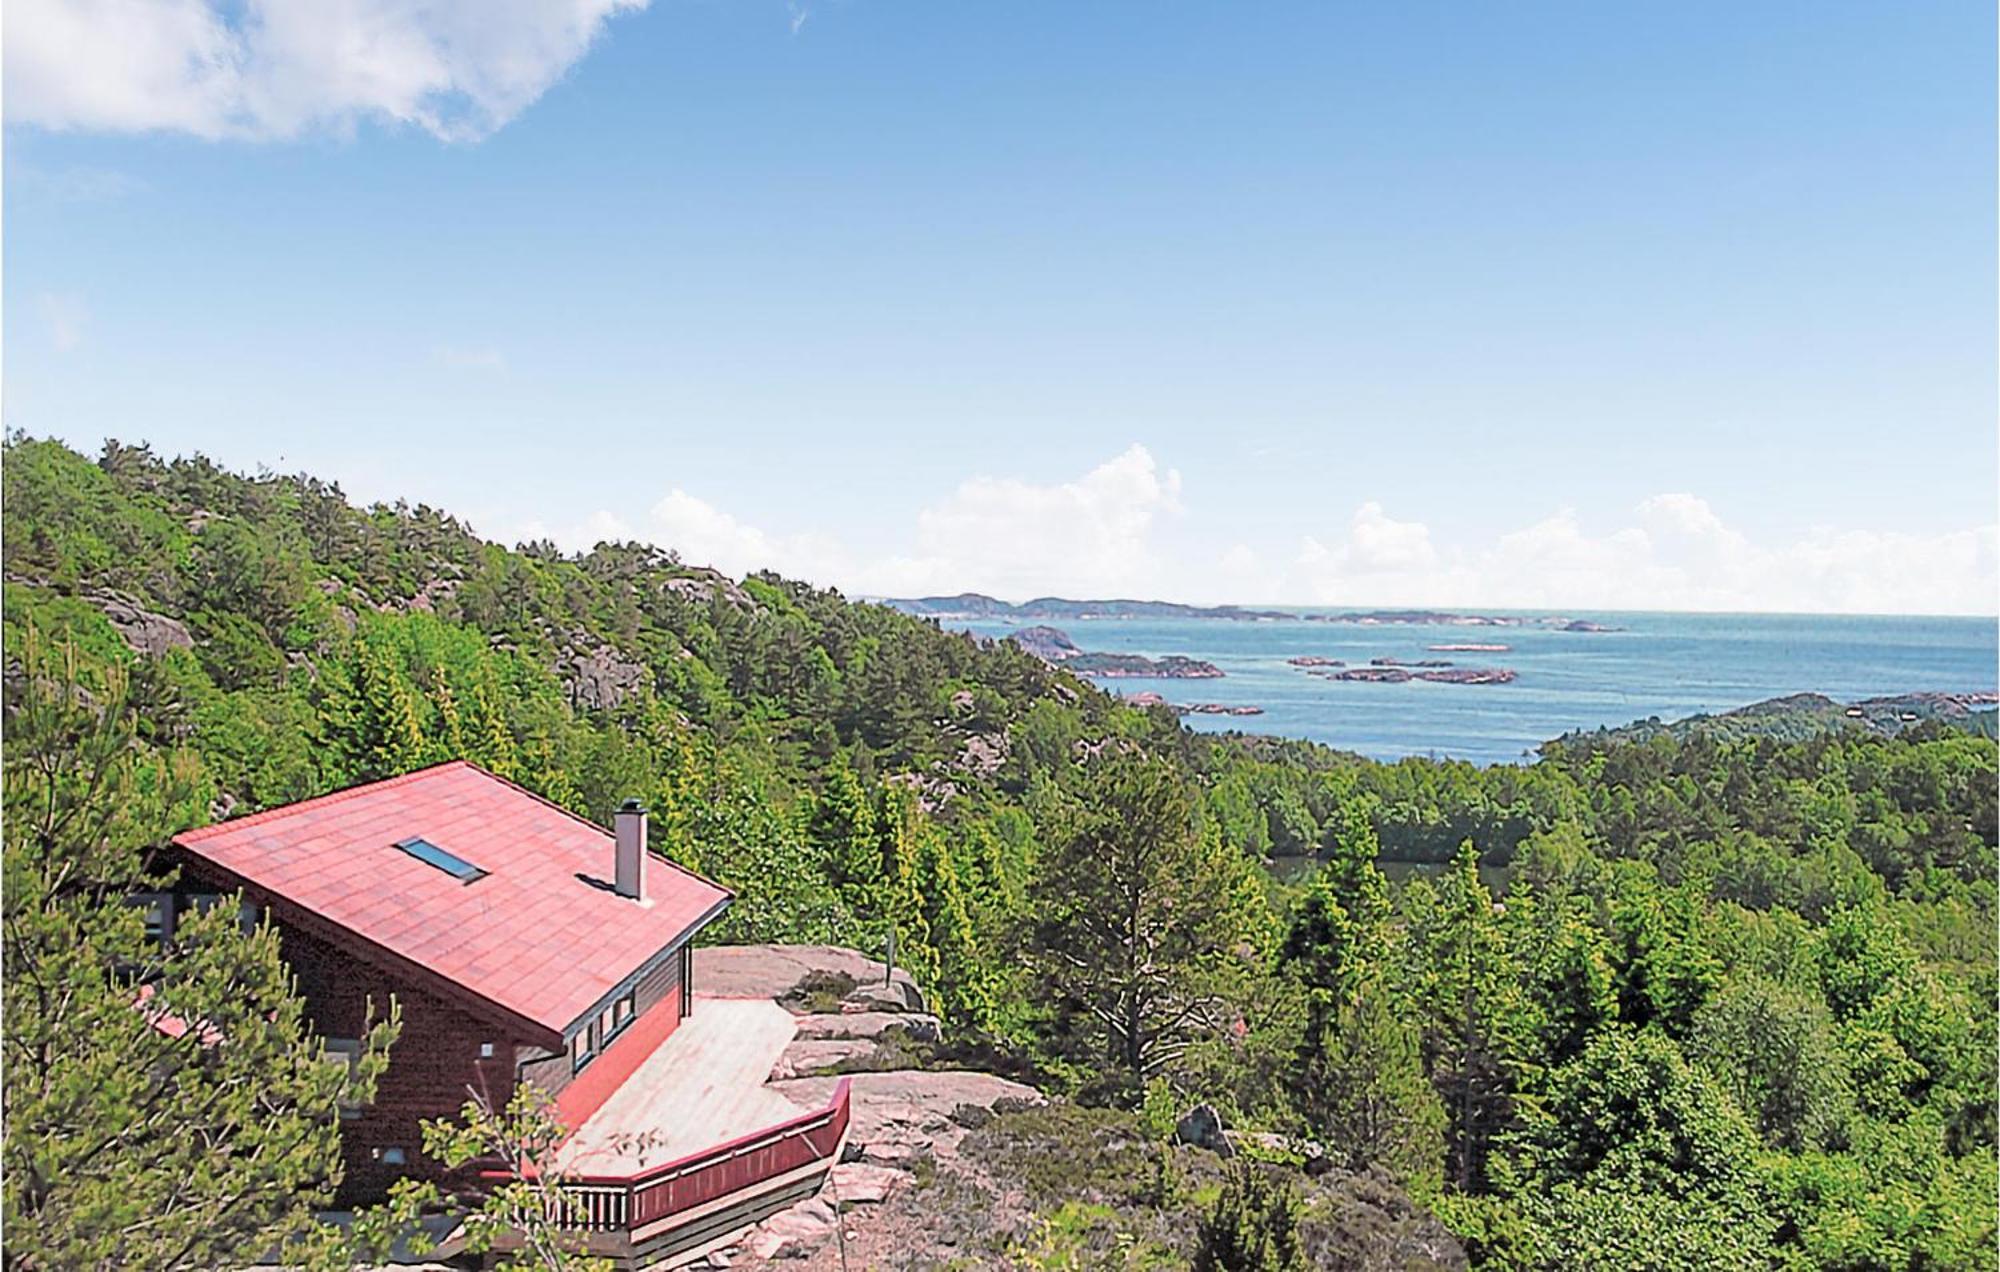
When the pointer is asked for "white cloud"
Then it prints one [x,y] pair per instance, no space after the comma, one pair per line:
[1375,544]
[1101,535]
[1680,555]
[276,69]
[1091,535]
[65,316]
[706,535]
[1002,535]
[598,527]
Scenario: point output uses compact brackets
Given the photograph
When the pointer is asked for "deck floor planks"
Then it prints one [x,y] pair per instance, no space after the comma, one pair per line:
[704,1086]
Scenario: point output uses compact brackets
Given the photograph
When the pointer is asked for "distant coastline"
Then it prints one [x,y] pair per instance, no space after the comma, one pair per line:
[977,605]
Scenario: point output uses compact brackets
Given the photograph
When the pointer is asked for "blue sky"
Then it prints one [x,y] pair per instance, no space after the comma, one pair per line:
[1690,306]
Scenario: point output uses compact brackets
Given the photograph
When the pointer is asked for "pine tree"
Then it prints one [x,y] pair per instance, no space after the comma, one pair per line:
[1664,972]
[1570,977]
[896,828]
[391,733]
[1253,1226]
[450,744]
[1351,869]
[167,1104]
[1360,1088]
[964,985]
[843,832]
[1475,1017]
[493,740]
[1140,915]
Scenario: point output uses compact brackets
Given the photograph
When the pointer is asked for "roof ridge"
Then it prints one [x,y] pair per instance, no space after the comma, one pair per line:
[579,817]
[200,833]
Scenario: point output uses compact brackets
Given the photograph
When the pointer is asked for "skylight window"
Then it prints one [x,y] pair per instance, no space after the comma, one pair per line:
[432,855]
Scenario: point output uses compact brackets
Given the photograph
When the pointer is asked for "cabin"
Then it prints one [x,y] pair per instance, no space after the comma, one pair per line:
[523,944]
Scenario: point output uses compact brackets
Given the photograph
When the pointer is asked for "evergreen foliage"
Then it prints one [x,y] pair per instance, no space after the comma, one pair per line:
[1694,998]
[166,1103]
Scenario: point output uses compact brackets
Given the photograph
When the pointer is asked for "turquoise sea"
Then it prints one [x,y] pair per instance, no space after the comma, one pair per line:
[1669,665]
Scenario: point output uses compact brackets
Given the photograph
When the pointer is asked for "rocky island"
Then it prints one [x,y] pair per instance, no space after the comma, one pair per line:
[1390,672]
[1050,644]
[1469,676]
[1053,646]
[1122,666]
[1151,699]
[1315,660]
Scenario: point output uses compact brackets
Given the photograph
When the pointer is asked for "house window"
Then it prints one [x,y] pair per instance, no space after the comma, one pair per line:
[432,855]
[485,1051]
[391,1155]
[580,1051]
[159,908]
[622,1012]
[345,1052]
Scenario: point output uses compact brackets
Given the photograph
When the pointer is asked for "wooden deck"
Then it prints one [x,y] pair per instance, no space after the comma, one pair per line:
[703,1086]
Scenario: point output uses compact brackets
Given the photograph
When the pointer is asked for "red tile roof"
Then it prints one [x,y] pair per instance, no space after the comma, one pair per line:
[532,936]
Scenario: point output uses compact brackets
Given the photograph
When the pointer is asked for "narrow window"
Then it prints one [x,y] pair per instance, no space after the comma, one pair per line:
[391,1155]
[345,1052]
[622,1011]
[579,1051]
[159,908]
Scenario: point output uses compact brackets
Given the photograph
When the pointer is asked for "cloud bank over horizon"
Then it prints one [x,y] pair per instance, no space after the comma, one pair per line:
[274,70]
[1102,534]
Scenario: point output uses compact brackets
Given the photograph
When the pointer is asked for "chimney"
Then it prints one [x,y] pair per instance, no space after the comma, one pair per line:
[630,880]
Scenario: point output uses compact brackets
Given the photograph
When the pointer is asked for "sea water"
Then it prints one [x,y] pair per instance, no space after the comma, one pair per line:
[1665,665]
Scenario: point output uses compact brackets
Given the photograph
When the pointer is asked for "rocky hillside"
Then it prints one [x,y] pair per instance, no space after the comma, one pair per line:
[949,1166]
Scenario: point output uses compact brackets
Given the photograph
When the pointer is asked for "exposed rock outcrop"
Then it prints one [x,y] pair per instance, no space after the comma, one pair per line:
[983,754]
[910,1109]
[145,631]
[1201,1126]
[1050,644]
[849,1013]
[702,585]
[776,971]
[599,677]
[868,1025]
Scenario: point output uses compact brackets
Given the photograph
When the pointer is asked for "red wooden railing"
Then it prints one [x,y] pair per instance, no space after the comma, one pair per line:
[612,1203]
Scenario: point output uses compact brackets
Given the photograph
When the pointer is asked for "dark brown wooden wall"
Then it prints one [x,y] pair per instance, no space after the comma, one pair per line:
[433,1065]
